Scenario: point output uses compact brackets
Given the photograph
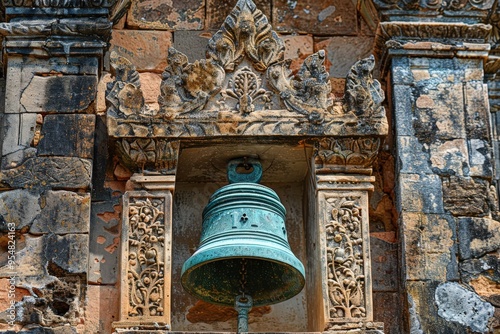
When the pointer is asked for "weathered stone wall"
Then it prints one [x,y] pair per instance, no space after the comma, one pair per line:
[434,230]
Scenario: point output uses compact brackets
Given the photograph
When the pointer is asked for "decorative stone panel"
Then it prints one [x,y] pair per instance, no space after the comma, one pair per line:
[145,266]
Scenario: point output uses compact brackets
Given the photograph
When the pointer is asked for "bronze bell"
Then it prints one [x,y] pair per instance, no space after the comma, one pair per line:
[244,253]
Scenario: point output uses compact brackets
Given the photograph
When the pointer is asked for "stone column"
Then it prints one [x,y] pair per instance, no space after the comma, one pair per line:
[444,170]
[339,236]
[146,240]
[53,56]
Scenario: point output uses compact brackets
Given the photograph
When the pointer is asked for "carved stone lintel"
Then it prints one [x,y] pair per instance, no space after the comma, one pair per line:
[246,31]
[145,268]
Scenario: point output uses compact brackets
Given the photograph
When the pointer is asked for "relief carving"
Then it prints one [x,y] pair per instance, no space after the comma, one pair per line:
[246,31]
[142,153]
[186,87]
[124,96]
[360,152]
[345,261]
[308,92]
[245,87]
[364,95]
[146,257]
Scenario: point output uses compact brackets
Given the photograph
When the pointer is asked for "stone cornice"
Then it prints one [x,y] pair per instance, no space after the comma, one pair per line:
[431,39]
[465,11]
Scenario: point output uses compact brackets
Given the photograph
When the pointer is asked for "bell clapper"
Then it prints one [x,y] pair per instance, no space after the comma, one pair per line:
[243,305]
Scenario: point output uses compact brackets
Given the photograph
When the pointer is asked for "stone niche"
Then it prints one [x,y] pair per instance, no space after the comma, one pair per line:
[316,152]
[201,171]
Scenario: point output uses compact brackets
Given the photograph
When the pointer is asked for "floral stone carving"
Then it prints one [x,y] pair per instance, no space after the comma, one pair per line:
[347,153]
[144,153]
[145,261]
[345,259]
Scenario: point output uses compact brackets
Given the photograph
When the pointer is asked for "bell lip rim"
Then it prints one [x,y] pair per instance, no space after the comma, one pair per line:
[186,272]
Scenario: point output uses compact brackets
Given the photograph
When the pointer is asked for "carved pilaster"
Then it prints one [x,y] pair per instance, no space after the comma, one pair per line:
[146,261]
[342,204]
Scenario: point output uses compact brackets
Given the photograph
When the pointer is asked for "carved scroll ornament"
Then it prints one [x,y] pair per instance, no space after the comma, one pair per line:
[146,257]
[345,261]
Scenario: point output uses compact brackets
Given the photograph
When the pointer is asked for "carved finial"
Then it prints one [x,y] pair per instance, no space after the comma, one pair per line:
[246,31]
[363,94]
[124,95]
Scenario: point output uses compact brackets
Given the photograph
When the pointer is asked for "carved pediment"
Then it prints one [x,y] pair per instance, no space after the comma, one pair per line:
[245,87]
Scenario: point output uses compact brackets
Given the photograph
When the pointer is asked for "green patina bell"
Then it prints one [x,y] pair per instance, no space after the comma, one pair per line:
[244,249]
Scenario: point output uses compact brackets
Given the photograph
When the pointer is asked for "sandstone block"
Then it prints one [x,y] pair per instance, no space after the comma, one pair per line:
[318,18]
[480,158]
[164,15]
[487,266]
[147,50]
[68,135]
[440,115]
[401,73]
[466,196]
[104,246]
[478,236]
[449,157]
[58,304]
[217,11]
[55,172]
[428,246]
[75,93]
[460,305]
[420,193]
[63,212]
[403,115]
[477,110]
[423,295]
[101,93]
[390,316]
[384,265]
[18,131]
[413,157]
[343,52]
[102,308]
[30,257]
[19,207]
[298,48]
[192,43]
[66,254]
